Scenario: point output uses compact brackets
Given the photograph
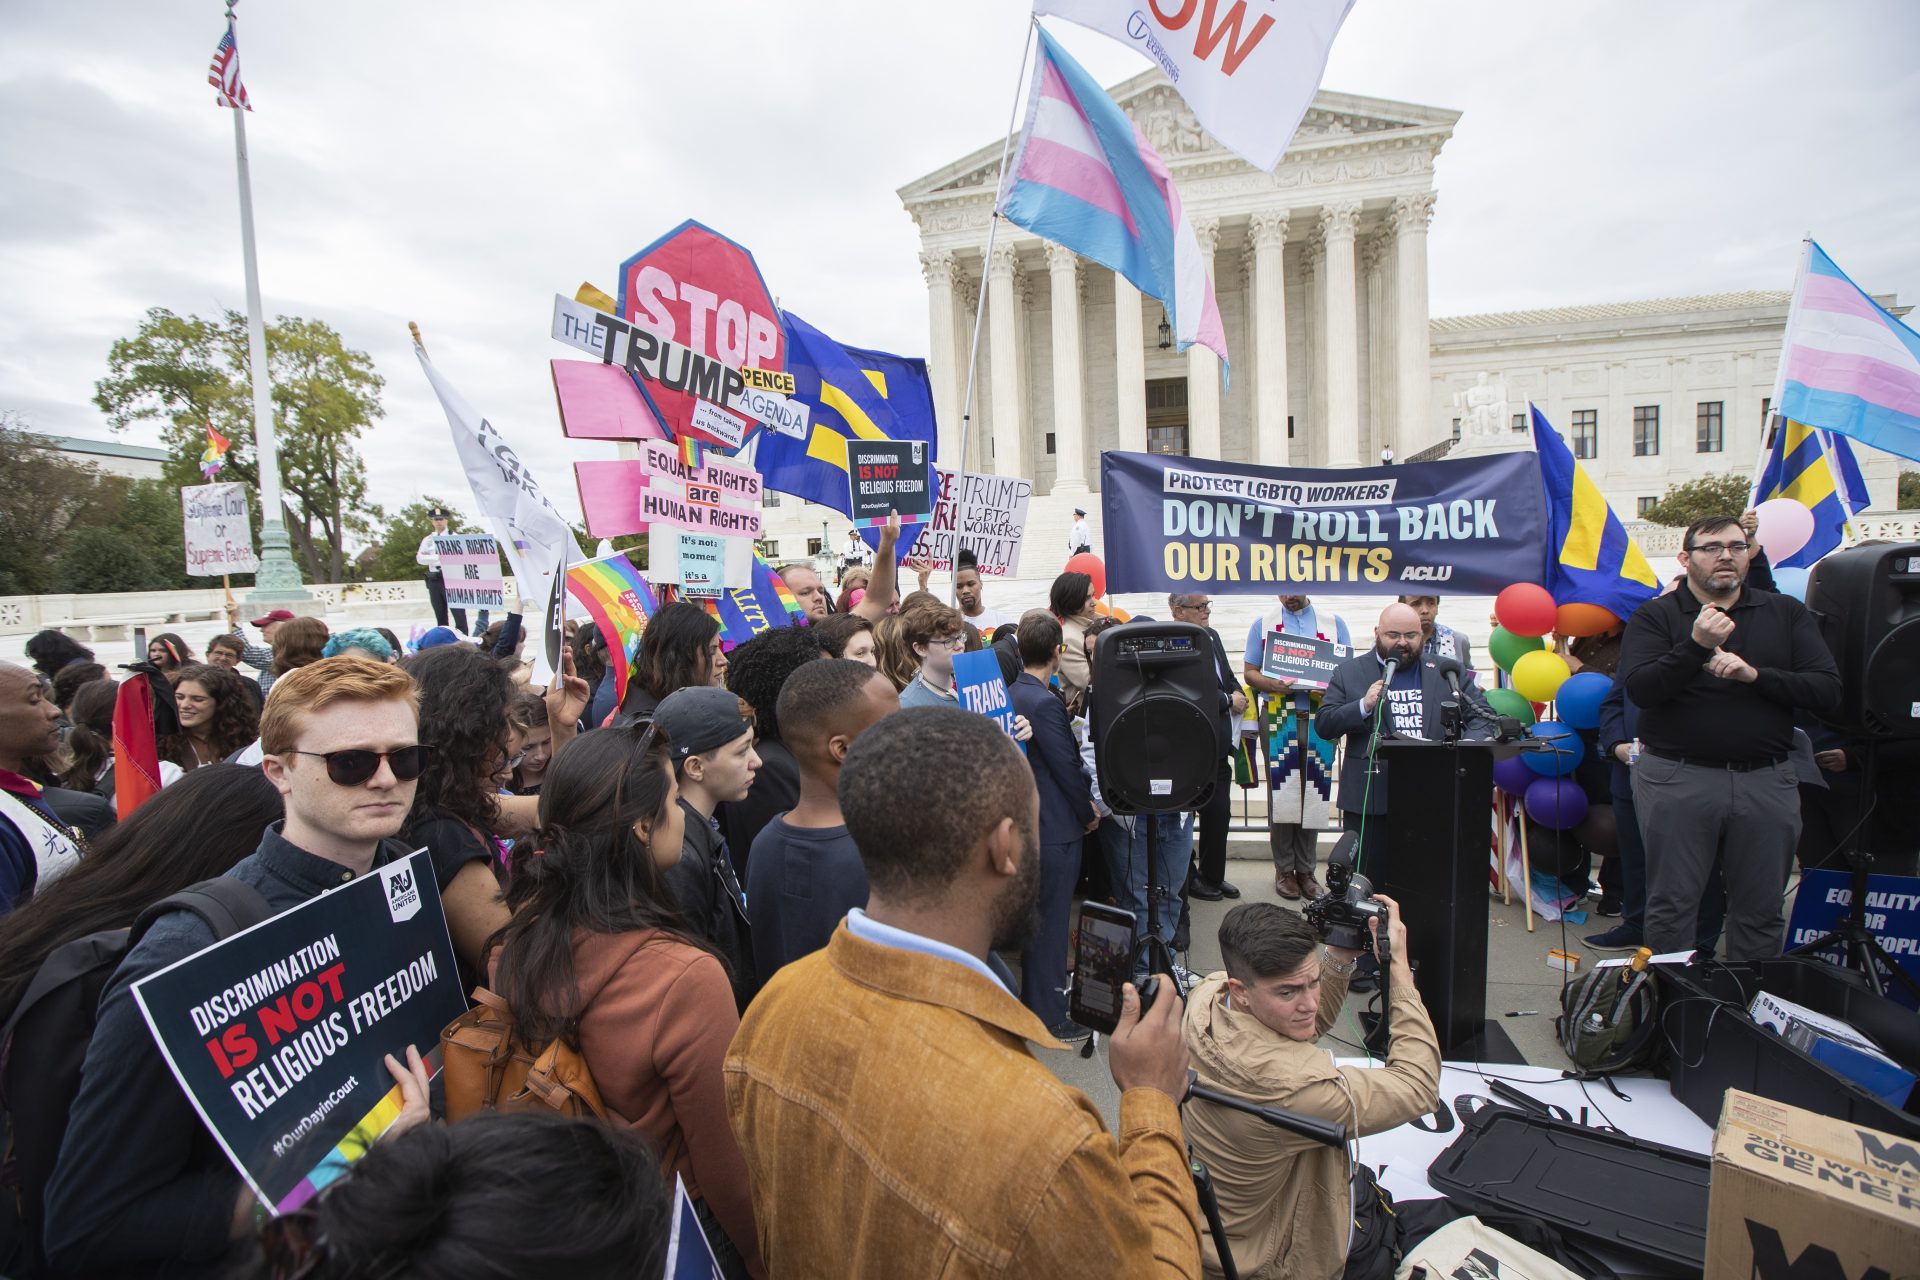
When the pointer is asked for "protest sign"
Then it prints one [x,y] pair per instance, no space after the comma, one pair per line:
[888,475]
[278,1035]
[996,522]
[1468,525]
[697,510]
[1307,661]
[470,567]
[218,535]
[696,562]
[982,689]
[1892,912]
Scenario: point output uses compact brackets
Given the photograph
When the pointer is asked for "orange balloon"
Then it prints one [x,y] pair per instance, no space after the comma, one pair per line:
[1584,620]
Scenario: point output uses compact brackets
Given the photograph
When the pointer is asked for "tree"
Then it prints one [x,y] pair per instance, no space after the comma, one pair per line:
[187,372]
[1682,504]
[392,560]
[43,496]
[1909,491]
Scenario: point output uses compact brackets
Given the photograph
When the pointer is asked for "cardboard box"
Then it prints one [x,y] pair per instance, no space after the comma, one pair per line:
[1798,1195]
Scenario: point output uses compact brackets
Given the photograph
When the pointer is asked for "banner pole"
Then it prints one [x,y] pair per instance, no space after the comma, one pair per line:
[979,310]
[1774,421]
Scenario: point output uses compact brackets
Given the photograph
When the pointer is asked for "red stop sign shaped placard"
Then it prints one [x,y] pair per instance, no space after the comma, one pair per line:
[696,287]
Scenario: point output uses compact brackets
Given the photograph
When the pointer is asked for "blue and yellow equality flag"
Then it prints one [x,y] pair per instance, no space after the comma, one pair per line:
[851,393]
[1826,482]
[1590,558]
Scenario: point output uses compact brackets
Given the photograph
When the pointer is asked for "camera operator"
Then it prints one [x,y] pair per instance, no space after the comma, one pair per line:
[1251,1031]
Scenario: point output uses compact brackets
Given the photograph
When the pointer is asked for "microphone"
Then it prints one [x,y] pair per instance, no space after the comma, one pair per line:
[1450,668]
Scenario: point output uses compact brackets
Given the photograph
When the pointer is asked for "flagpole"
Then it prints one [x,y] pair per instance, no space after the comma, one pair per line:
[1768,427]
[980,310]
[277,581]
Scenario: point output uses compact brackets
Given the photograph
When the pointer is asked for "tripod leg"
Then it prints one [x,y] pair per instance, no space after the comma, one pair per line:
[1210,1210]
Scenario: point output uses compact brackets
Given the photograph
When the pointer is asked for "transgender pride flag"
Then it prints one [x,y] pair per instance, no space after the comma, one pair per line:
[1849,366]
[1086,177]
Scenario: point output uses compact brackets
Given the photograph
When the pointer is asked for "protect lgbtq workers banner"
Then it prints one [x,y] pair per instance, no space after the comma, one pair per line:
[1470,526]
[279,1034]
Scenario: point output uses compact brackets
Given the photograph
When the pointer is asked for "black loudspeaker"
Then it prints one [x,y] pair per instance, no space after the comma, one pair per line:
[1155,717]
[1867,602]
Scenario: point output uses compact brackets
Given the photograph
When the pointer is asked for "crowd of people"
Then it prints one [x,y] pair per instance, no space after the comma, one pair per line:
[801,916]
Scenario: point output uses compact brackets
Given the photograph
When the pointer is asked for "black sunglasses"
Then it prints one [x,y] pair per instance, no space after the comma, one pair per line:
[355,765]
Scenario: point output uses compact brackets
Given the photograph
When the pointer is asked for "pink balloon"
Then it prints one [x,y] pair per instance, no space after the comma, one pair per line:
[1785,527]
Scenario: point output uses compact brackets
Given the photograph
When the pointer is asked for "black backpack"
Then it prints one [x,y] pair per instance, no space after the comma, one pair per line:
[45,1044]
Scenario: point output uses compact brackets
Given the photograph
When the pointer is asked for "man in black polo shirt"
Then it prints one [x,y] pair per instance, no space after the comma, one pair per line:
[1717,669]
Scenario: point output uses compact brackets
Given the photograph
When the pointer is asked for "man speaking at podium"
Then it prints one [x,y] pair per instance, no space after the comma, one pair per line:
[1413,687]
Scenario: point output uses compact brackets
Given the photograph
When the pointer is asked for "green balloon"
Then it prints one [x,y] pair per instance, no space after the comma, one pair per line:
[1507,647]
[1509,702]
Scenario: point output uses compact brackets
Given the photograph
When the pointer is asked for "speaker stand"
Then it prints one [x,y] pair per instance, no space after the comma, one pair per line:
[1159,956]
[1862,947]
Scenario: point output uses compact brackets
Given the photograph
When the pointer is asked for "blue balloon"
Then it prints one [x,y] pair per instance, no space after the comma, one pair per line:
[1792,582]
[1564,754]
[1556,803]
[1579,697]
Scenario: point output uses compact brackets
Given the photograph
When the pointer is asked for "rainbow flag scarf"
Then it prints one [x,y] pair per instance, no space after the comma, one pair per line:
[620,601]
[745,613]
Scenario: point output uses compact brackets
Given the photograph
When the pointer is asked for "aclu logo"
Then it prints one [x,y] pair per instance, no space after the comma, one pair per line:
[919,453]
[1426,573]
[403,896]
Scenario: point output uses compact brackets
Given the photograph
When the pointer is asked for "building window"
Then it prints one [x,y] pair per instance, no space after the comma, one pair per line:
[1289,426]
[1706,432]
[1167,439]
[1166,415]
[1049,442]
[1519,422]
[768,498]
[1646,504]
[1456,431]
[1586,433]
[1646,430]
[814,546]
[1766,421]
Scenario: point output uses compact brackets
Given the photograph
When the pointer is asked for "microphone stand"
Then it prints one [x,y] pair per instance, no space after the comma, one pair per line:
[1327,1132]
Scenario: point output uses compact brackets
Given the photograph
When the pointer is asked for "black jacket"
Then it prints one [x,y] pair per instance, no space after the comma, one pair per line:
[1341,713]
[708,893]
[1066,792]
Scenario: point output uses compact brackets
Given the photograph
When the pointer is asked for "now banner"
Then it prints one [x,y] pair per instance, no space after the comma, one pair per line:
[1462,526]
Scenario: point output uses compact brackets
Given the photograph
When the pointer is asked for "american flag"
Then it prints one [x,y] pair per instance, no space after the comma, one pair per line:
[224,73]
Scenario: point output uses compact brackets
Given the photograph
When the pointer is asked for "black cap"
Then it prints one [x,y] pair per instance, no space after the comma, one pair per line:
[1079,511]
[438,513]
[698,719]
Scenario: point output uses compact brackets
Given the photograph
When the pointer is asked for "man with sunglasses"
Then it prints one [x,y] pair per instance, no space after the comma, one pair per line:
[1718,668]
[141,1188]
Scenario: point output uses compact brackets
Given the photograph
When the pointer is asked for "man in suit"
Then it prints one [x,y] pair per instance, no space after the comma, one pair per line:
[1412,694]
[1209,879]
[1066,814]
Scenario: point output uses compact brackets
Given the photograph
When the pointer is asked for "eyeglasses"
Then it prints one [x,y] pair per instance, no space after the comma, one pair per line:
[1715,549]
[1196,608]
[949,642]
[355,765]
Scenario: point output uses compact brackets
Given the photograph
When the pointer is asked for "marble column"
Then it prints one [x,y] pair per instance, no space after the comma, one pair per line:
[1203,367]
[1003,301]
[1313,272]
[1267,229]
[1408,218]
[1337,223]
[1129,365]
[945,367]
[1069,452]
[1374,375]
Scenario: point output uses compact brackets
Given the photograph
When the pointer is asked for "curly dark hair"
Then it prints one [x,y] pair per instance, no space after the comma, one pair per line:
[464,695]
[236,716]
[673,653]
[52,650]
[758,668]
[297,643]
[90,741]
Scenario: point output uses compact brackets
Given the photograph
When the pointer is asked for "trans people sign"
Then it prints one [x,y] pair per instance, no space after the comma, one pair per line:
[698,289]
[1476,525]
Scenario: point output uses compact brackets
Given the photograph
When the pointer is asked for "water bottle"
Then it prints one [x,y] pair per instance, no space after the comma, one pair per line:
[1633,753]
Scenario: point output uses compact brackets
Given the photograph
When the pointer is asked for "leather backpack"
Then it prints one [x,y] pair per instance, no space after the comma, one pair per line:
[487,1066]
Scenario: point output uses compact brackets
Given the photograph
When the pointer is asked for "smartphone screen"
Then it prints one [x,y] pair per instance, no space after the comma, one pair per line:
[1103,963]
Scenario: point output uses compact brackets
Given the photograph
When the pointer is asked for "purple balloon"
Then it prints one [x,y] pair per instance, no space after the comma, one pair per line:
[1556,803]
[1512,776]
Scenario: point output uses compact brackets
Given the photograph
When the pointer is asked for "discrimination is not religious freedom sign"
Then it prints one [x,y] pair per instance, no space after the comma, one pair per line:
[279,1034]
[1470,525]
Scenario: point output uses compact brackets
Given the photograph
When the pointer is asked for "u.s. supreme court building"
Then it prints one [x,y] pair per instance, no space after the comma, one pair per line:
[1320,269]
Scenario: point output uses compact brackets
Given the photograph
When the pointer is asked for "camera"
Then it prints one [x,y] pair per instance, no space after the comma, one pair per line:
[1340,914]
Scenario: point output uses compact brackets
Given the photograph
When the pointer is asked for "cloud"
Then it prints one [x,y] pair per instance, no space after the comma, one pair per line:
[458,163]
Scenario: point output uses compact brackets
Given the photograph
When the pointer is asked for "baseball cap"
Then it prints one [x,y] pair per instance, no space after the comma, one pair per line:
[434,637]
[274,615]
[699,718]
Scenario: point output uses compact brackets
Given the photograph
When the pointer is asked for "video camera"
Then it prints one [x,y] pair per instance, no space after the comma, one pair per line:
[1340,914]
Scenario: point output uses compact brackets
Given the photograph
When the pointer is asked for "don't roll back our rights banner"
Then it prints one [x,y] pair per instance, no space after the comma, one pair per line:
[1463,526]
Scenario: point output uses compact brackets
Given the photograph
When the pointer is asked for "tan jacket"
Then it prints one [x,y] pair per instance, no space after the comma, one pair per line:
[1283,1198]
[895,1123]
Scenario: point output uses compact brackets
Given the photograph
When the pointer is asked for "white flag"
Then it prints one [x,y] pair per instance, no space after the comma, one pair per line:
[528,527]
[1247,68]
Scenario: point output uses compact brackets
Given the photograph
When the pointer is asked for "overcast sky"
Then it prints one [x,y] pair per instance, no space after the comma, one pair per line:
[459,163]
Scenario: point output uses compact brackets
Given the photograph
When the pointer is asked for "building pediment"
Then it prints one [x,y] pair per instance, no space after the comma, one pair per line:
[1334,121]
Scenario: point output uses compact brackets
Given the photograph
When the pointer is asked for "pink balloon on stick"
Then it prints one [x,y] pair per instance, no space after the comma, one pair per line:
[1785,526]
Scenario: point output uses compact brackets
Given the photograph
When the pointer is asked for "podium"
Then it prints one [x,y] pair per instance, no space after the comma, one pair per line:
[1434,863]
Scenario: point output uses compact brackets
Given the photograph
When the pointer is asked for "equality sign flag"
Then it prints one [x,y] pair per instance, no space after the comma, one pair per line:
[279,1034]
[1467,525]
[1247,68]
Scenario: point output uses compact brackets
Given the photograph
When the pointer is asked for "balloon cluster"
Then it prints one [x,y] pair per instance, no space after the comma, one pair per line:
[1526,614]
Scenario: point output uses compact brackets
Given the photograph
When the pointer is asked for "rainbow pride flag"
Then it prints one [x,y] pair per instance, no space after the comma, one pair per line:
[693,452]
[215,455]
[620,602]
[744,613]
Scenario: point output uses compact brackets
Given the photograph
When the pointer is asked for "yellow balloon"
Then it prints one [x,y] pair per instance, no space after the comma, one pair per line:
[1539,675]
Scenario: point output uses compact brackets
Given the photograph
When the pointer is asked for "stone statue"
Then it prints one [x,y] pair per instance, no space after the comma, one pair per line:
[1483,407]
